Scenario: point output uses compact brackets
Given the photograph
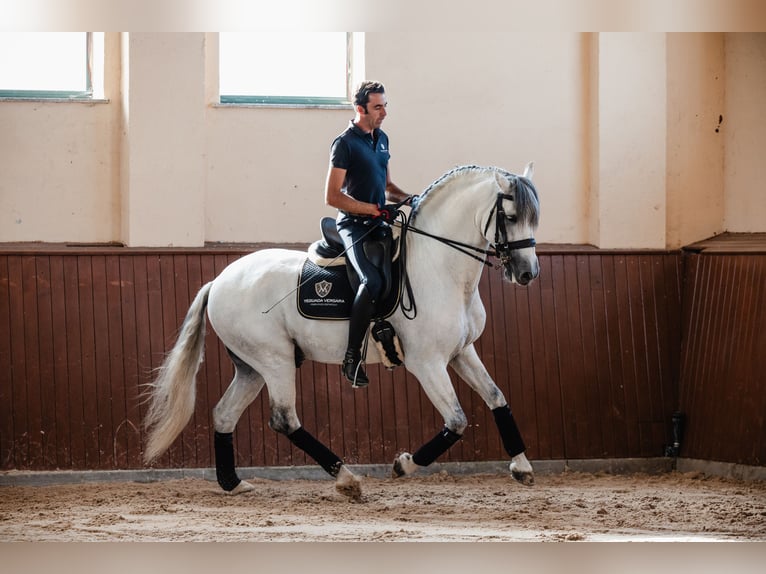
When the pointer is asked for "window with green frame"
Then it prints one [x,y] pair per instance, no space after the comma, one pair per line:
[289,68]
[49,65]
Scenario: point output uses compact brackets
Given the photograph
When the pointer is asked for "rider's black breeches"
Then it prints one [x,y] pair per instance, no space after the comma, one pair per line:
[369,255]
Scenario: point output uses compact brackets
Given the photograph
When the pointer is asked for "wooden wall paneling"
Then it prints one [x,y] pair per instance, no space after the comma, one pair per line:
[665,373]
[32,343]
[568,385]
[750,365]
[538,440]
[653,285]
[74,375]
[113,334]
[47,383]
[61,456]
[400,409]
[19,452]
[364,423]
[592,398]
[336,422]
[521,374]
[371,404]
[603,412]
[702,358]
[102,386]
[6,367]
[90,412]
[553,381]
[637,340]
[722,294]
[128,427]
[616,380]
[571,346]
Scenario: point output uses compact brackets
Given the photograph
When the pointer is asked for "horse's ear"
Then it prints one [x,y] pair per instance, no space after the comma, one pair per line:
[529,170]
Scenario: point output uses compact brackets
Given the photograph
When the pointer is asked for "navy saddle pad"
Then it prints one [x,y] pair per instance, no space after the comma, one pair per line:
[326,293]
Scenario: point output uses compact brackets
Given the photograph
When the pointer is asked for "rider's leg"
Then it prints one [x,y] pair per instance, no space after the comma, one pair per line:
[368,292]
[361,313]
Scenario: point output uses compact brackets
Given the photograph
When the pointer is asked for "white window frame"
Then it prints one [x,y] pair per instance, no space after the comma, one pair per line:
[94,78]
[354,74]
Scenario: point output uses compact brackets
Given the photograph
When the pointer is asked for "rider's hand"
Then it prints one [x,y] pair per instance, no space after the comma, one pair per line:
[388,212]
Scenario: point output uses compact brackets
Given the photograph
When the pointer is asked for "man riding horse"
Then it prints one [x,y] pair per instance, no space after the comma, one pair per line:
[358,185]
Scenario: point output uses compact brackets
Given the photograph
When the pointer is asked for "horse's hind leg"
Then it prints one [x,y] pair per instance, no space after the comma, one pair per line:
[242,391]
[284,420]
[469,367]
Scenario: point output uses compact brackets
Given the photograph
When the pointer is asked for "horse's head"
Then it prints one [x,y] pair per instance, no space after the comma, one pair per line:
[516,215]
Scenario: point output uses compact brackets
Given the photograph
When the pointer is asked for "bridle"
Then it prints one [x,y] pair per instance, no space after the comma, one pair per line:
[501,248]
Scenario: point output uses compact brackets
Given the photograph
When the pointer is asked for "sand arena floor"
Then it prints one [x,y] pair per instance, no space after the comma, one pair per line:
[440,507]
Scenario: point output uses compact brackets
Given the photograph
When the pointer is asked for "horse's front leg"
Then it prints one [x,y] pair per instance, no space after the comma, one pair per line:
[437,385]
[469,367]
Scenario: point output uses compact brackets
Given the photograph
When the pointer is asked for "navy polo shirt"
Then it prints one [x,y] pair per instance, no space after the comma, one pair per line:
[365,159]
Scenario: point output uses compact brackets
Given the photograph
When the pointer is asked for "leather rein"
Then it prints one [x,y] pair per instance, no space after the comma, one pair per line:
[501,248]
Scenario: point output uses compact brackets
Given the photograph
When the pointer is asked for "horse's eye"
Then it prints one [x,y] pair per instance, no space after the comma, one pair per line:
[512,218]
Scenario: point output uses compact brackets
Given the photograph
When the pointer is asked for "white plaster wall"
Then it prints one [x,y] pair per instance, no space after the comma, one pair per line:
[619,137]
[695,139]
[59,166]
[631,140]
[491,99]
[744,131]
[472,99]
[164,187]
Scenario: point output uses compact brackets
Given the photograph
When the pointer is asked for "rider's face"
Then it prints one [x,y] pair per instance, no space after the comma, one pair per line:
[376,112]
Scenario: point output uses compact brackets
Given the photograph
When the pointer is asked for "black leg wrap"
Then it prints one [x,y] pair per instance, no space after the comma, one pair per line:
[435,447]
[224,461]
[509,432]
[327,459]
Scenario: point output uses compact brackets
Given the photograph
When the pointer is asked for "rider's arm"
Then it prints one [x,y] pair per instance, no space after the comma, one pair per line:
[334,197]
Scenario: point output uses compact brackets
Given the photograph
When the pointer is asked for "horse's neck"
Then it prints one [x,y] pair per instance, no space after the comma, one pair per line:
[456,215]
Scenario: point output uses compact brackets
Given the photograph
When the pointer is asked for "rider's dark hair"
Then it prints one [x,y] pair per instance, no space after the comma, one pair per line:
[362,95]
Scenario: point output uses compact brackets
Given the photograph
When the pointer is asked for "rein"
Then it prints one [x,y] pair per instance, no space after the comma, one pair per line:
[501,248]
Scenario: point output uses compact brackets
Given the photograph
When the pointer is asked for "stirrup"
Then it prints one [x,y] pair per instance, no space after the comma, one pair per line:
[354,372]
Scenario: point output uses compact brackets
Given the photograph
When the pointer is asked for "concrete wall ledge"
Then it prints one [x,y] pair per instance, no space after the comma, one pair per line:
[542,467]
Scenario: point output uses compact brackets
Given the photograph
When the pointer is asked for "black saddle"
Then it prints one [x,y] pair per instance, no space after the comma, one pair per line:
[327,284]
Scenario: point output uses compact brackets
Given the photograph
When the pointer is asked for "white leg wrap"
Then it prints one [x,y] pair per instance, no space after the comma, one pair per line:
[404,465]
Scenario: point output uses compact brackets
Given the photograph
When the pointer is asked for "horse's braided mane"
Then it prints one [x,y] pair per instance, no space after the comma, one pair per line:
[525,196]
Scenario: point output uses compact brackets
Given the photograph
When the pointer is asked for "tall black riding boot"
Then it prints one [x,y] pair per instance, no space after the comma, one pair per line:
[361,313]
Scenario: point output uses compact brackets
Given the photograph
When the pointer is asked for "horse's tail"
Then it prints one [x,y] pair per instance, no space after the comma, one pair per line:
[173,392]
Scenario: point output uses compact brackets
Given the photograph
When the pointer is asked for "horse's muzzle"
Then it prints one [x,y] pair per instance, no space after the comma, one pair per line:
[523,272]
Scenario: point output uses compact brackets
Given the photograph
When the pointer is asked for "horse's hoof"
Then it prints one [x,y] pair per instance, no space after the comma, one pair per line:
[403,465]
[348,484]
[241,488]
[525,478]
